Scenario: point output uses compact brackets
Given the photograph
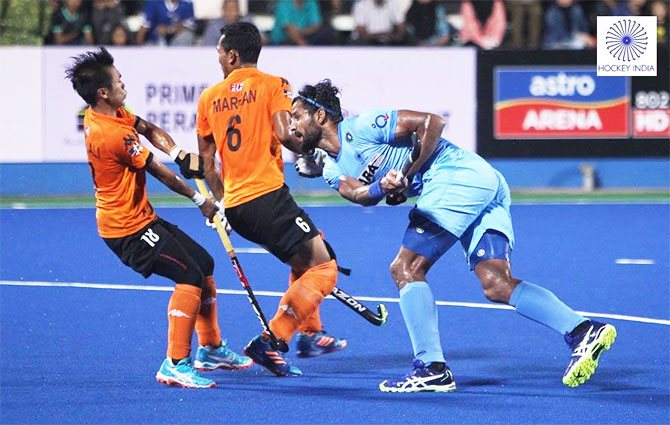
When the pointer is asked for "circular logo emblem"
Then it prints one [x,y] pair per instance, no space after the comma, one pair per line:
[419,230]
[481,253]
[626,40]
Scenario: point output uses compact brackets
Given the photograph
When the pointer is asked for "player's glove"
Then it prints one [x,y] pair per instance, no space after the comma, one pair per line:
[222,217]
[311,165]
[395,198]
[191,165]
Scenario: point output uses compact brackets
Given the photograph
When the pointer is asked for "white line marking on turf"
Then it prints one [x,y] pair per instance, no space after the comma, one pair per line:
[251,251]
[280,294]
[637,261]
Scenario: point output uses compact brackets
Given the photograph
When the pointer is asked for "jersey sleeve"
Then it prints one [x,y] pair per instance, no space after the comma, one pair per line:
[281,96]
[203,128]
[377,125]
[332,174]
[130,151]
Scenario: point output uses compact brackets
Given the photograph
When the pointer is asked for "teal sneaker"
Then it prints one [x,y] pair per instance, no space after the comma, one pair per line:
[209,358]
[590,340]
[182,374]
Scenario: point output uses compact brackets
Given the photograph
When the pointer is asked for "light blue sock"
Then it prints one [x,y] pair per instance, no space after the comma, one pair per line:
[542,306]
[420,312]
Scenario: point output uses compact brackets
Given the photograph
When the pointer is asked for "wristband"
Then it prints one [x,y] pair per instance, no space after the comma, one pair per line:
[198,199]
[174,153]
[375,191]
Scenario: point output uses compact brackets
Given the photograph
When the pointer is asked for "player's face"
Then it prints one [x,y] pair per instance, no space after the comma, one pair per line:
[116,95]
[304,128]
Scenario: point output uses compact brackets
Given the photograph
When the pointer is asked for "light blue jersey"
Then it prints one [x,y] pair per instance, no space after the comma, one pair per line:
[457,189]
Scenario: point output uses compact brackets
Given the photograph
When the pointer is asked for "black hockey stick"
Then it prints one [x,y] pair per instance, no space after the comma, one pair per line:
[366,313]
[277,343]
[399,198]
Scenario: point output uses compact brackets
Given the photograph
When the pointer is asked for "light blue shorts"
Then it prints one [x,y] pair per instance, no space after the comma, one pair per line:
[466,197]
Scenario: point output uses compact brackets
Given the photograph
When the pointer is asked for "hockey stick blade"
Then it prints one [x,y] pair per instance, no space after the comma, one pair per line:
[351,302]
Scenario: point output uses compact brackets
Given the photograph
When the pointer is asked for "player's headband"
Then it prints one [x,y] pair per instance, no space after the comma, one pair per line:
[317,104]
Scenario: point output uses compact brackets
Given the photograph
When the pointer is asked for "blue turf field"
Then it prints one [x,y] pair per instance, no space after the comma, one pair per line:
[81,355]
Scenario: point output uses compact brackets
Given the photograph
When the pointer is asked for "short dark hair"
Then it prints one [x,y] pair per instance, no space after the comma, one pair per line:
[325,94]
[243,37]
[89,72]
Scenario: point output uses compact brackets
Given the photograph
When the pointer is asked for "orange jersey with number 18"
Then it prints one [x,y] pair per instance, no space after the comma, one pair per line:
[238,112]
[117,160]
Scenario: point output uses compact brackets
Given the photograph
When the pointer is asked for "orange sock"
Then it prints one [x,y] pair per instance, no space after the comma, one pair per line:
[303,298]
[207,324]
[182,313]
[313,322]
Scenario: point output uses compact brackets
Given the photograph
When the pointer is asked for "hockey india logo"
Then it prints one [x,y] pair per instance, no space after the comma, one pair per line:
[626,40]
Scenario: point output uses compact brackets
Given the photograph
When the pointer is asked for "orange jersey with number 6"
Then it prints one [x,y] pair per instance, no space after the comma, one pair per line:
[117,160]
[238,113]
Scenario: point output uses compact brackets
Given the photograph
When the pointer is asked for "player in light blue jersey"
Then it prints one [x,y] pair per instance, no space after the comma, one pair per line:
[461,198]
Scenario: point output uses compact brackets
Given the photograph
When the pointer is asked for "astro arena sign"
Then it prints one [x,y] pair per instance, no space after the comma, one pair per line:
[559,102]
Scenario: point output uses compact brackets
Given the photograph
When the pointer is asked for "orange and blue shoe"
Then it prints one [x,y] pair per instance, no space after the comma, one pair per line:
[313,344]
[209,358]
[182,374]
[261,352]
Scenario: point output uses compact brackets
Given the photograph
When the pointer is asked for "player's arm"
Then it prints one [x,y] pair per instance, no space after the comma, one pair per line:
[190,164]
[366,195]
[281,121]
[429,129]
[207,150]
[170,179]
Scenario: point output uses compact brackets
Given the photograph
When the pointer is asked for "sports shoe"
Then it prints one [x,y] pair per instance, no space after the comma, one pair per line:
[182,374]
[267,356]
[313,344]
[209,358]
[587,346]
[420,379]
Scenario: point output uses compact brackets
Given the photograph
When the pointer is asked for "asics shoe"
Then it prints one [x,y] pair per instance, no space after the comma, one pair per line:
[208,358]
[421,378]
[587,346]
[270,358]
[313,344]
[182,374]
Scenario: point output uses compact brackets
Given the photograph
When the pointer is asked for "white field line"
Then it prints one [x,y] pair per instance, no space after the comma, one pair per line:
[635,261]
[280,294]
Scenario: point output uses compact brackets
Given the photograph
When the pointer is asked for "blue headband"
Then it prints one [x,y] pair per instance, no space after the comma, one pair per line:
[317,104]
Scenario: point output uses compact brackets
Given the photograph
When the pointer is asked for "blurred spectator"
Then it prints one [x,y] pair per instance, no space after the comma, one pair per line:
[484,23]
[299,22]
[593,9]
[378,22]
[525,15]
[69,25]
[105,16]
[566,27]
[426,23]
[230,12]
[119,36]
[629,8]
[167,22]
[659,8]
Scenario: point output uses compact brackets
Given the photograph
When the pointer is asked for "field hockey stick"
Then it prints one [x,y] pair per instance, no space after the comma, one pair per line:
[355,305]
[277,343]
[413,156]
